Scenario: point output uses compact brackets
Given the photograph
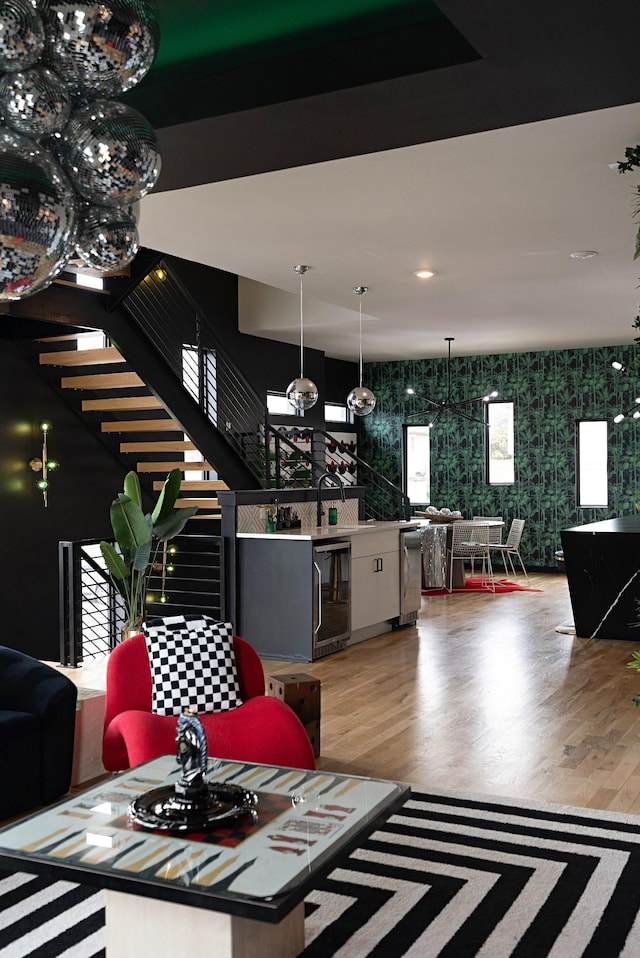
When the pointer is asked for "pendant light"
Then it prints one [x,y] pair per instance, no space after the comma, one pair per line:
[456,406]
[302,392]
[361,400]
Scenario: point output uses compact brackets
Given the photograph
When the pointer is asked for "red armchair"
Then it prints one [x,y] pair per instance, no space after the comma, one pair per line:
[262,729]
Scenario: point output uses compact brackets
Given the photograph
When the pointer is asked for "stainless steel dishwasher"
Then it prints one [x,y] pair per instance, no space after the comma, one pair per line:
[410,575]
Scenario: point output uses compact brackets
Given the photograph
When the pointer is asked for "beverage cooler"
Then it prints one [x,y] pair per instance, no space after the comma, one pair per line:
[331,597]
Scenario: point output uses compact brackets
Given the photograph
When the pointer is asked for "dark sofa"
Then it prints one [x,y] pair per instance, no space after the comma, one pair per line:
[37,725]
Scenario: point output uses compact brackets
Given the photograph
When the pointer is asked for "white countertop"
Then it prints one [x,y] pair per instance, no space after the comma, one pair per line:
[331,532]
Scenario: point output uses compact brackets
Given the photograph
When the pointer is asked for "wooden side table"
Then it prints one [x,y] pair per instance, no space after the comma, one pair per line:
[301,692]
[87,744]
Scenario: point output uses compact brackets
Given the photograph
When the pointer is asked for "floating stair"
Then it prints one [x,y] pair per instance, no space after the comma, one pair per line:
[194,492]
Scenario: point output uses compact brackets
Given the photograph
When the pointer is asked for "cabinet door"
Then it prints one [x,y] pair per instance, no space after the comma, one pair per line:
[375,589]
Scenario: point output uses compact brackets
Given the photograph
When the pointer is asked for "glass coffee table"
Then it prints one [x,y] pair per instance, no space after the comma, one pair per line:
[241,883]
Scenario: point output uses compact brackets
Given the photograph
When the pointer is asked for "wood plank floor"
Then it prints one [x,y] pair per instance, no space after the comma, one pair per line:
[484,695]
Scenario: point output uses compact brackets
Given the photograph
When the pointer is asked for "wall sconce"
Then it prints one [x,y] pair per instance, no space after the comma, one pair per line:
[44,464]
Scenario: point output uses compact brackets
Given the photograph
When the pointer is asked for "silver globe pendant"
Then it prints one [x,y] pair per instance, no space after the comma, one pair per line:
[361,401]
[302,393]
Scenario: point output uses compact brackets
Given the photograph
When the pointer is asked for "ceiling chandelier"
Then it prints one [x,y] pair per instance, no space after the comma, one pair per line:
[632,370]
[302,392]
[74,161]
[361,400]
[457,406]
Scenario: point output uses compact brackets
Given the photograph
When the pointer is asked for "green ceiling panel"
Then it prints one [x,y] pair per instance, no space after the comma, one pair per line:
[197,29]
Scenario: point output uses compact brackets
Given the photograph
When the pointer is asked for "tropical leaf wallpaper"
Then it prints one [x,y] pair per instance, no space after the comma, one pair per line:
[550,390]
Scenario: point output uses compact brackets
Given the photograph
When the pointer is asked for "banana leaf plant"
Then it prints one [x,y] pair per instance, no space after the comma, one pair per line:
[138,537]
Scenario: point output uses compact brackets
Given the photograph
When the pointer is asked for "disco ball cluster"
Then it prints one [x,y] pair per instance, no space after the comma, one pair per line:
[74,161]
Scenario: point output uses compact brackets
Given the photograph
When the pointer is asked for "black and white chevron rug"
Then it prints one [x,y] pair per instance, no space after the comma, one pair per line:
[449,875]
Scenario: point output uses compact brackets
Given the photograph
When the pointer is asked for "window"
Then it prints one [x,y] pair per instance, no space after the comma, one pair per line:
[499,443]
[337,412]
[592,463]
[417,463]
[279,405]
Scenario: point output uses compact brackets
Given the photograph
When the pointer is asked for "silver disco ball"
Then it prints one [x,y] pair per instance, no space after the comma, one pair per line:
[302,393]
[21,35]
[111,153]
[37,217]
[361,401]
[34,102]
[107,238]
[101,49]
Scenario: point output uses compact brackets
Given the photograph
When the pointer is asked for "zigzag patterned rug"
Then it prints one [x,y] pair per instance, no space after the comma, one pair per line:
[448,876]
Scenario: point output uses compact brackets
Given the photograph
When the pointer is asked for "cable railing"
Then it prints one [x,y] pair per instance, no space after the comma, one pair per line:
[186,338]
[187,578]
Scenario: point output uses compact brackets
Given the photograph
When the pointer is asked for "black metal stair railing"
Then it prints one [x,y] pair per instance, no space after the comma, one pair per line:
[184,337]
[382,500]
[187,577]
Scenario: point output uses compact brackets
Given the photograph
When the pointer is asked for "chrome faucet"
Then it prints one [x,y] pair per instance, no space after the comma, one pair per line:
[337,482]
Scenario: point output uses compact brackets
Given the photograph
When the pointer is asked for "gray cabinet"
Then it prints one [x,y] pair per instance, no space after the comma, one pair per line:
[375,579]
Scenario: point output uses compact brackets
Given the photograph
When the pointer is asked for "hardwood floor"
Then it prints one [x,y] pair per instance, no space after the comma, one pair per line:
[483,695]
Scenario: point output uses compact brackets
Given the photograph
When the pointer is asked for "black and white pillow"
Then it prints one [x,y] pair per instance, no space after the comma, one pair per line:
[192,664]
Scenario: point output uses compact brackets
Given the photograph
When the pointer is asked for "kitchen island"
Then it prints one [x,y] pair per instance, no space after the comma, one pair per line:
[303,593]
[602,562]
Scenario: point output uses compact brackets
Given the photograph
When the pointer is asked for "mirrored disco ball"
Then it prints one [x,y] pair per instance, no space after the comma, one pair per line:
[21,35]
[101,49]
[107,238]
[37,217]
[361,401]
[110,152]
[34,102]
[302,393]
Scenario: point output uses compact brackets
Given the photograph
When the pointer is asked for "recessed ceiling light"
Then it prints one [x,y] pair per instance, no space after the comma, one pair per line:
[584,254]
[424,273]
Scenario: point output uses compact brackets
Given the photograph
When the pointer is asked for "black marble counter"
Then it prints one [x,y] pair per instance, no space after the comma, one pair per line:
[602,562]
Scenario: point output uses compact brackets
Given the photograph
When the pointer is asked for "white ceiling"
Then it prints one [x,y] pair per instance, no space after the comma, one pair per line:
[495,214]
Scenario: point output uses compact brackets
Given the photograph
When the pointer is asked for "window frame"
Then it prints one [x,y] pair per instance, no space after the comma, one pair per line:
[406,427]
[488,460]
[595,421]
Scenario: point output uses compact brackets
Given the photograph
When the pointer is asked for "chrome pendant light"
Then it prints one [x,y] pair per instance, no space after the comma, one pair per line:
[361,400]
[302,392]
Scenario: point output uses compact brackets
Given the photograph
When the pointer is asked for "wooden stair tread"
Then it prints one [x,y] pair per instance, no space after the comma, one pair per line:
[159,445]
[168,466]
[197,485]
[141,425]
[102,381]
[200,503]
[122,402]
[82,357]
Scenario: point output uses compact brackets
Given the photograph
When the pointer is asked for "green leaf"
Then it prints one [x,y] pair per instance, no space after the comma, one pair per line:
[132,487]
[130,526]
[168,496]
[114,562]
[174,523]
[635,661]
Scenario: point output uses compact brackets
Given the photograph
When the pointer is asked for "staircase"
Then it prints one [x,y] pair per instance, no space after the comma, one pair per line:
[125,410]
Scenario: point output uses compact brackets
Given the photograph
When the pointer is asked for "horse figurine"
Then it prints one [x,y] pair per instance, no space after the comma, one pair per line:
[191,743]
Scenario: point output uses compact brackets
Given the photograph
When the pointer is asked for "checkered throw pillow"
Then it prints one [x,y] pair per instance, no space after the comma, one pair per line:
[192,664]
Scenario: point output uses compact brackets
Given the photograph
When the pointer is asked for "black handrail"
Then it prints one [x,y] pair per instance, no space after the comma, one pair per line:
[91,612]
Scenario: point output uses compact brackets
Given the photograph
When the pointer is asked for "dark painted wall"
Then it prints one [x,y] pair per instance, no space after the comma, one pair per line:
[78,505]
[551,390]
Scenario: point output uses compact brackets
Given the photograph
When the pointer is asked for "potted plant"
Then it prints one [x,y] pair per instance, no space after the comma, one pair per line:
[138,537]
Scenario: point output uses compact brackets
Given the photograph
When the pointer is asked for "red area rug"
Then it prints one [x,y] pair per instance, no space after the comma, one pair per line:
[473,583]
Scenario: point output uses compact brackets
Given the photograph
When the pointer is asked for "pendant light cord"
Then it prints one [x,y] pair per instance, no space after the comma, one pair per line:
[360,304]
[301,333]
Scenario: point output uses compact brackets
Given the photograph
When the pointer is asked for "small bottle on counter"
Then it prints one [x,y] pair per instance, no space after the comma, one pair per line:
[333,515]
